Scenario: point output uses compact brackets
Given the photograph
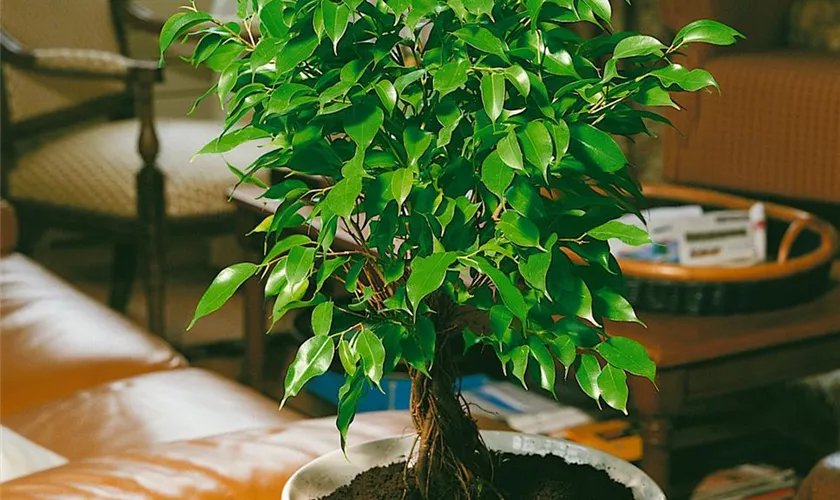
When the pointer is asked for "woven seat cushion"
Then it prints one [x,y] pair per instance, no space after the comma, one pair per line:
[95,169]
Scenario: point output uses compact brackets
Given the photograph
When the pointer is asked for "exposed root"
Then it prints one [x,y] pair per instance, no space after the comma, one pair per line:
[449,444]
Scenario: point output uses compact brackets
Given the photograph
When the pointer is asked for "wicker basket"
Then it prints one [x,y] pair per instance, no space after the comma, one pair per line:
[800,250]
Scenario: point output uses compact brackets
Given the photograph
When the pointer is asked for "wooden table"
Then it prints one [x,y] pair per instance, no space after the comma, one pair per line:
[703,358]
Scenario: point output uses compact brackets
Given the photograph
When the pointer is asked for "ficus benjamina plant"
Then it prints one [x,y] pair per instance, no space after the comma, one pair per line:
[467,148]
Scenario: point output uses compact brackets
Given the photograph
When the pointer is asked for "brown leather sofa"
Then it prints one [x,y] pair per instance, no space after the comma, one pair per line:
[775,128]
[133,419]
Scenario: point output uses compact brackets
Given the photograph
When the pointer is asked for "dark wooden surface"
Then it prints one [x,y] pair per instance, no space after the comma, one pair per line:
[699,358]
[702,359]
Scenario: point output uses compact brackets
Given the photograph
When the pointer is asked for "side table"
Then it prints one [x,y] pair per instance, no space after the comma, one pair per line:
[702,358]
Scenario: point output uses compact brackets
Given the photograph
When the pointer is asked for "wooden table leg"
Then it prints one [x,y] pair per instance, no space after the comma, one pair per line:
[654,407]
[254,326]
[656,461]
[254,313]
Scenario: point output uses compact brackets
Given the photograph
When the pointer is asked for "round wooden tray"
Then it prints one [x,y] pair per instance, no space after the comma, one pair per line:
[800,250]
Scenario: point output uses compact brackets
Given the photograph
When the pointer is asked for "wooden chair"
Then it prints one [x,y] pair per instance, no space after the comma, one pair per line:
[65,65]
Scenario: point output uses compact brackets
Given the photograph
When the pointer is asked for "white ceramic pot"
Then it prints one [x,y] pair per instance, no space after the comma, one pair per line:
[326,474]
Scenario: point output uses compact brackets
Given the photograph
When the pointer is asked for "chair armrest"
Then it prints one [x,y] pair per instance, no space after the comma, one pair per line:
[76,63]
[8,228]
[141,18]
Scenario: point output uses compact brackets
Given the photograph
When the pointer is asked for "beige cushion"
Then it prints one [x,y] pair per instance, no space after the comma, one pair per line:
[95,169]
[21,457]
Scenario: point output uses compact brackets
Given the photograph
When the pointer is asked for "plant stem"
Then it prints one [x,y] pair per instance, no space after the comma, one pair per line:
[448,443]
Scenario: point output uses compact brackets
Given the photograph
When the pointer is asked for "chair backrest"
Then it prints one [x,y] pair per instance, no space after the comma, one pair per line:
[51,24]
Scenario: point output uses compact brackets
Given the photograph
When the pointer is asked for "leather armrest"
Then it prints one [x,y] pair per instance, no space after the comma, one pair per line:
[823,482]
[8,228]
[253,465]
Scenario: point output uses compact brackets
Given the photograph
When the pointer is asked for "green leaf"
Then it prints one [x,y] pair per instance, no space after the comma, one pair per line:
[587,374]
[615,307]
[680,76]
[519,230]
[596,148]
[348,403]
[600,8]
[500,320]
[493,95]
[322,317]
[565,349]
[282,97]
[372,353]
[347,357]
[326,270]
[560,63]
[449,116]
[562,136]
[534,7]
[336,17]
[535,268]
[362,124]
[479,7]
[271,18]
[285,244]
[222,289]
[387,94]
[299,265]
[352,72]
[511,296]
[342,197]
[351,280]
[496,175]
[427,275]
[654,95]
[626,233]
[470,339]
[450,77]
[401,184]
[289,189]
[178,25]
[525,199]
[419,345]
[312,359]
[224,56]
[628,355]
[638,46]
[407,79]
[613,384]
[295,52]
[519,79]
[483,40]
[548,372]
[707,31]
[519,357]
[510,153]
[416,143]
[233,139]
[537,146]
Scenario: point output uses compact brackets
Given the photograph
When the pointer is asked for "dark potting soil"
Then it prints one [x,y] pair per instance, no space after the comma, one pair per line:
[518,477]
